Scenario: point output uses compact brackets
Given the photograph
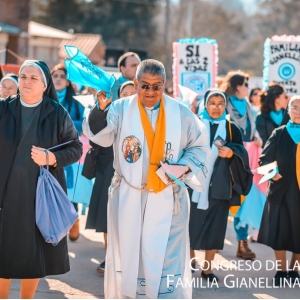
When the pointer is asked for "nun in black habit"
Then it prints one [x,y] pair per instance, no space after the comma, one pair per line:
[30,122]
[228,177]
[8,86]
[280,224]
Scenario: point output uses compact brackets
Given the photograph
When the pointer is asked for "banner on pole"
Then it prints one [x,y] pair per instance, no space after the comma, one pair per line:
[9,68]
[195,65]
[282,62]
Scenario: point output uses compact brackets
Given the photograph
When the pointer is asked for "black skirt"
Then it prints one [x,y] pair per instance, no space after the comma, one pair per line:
[208,227]
[280,225]
[97,216]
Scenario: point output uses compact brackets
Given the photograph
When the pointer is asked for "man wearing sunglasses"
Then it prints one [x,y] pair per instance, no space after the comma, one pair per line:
[148,213]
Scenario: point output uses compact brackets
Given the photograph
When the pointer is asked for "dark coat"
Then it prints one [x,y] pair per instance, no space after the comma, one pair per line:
[232,176]
[286,117]
[97,216]
[54,127]
[280,225]
[265,126]
[281,148]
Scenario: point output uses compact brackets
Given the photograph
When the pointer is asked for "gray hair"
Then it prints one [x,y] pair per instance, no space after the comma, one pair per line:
[294,98]
[150,66]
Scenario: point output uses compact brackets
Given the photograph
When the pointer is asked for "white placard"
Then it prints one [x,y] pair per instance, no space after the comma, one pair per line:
[284,65]
[85,100]
[194,67]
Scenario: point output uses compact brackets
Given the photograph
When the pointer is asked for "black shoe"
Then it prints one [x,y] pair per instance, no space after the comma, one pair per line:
[209,277]
[279,276]
[293,275]
[101,267]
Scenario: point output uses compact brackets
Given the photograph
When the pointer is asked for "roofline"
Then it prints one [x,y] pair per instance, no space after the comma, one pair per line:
[6,28]
[55,33]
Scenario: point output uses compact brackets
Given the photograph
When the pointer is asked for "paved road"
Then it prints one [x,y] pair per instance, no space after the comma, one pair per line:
[83,282]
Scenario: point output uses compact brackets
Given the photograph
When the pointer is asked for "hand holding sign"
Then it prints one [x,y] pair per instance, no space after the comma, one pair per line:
[174,172]
[270,171]
[277,177]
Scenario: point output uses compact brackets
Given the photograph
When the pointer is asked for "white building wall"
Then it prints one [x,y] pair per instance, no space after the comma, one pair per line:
[3,43]
[45,49]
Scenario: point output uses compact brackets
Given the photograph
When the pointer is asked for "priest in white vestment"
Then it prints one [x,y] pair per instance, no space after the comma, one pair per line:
[148,243]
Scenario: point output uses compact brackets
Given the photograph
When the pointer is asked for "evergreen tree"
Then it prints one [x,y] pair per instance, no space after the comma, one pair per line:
[127,24]
[123,24]
[59,14]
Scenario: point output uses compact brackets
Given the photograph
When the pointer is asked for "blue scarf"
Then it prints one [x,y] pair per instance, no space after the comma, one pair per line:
[204,115]
[122,79]
[157,105]
[61,95]
[240,105]
[294,131]
[277,116]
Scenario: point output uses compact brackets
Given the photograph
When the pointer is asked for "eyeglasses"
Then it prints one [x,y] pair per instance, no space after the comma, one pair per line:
[221,105]
[295,109]
[155,87]
[246,84]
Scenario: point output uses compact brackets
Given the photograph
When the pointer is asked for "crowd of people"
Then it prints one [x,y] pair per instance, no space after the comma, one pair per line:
[139,138]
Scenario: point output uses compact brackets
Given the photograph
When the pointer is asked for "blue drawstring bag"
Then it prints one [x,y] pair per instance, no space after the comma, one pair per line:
[54,212]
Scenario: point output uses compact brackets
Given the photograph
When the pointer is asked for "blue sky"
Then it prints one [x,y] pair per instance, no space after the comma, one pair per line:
[249,5]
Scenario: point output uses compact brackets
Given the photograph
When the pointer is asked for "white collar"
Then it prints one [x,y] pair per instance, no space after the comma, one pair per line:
[30,105]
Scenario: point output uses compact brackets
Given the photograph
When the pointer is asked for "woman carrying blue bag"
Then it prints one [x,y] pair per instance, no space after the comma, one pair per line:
[30,122]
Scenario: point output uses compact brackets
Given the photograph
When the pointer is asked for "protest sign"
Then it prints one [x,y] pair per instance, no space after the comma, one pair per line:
[195,65]
[282,62]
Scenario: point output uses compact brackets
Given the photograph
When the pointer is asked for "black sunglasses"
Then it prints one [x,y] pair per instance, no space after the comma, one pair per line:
[149,86]
[246,84]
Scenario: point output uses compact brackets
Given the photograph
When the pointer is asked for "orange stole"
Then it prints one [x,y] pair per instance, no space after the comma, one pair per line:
[156,145]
